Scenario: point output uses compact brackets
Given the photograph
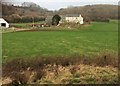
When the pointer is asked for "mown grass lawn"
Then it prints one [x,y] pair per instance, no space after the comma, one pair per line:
[96,38]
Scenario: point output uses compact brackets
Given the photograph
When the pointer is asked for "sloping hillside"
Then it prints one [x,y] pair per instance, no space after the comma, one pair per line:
[90,12]
[22,11]
[14,13]
[93,11]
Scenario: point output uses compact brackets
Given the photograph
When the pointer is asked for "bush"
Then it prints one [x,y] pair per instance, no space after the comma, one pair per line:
[55,20]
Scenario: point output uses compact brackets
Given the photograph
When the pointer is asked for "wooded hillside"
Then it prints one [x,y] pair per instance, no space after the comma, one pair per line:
[24,13]
[93,12]
[28,11]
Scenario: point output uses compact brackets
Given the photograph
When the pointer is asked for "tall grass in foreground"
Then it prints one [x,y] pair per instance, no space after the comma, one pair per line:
[69,70]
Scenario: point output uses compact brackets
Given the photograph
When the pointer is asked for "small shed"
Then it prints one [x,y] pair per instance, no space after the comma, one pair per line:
[3,23]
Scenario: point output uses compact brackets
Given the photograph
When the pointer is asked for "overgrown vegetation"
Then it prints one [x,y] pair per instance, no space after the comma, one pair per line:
[80,70]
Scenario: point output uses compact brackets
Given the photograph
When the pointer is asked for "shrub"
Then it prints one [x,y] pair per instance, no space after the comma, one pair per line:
[55,20]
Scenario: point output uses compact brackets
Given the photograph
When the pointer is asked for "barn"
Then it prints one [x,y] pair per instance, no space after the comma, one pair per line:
[3,23]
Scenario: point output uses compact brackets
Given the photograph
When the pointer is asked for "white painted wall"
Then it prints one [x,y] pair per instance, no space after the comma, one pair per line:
[3,21]
[75,19]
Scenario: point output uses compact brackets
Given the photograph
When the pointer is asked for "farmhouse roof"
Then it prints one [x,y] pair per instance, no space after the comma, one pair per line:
[2,20]
[72,15]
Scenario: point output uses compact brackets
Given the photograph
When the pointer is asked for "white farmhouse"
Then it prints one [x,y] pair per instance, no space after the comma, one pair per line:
[3,23]
[74,19]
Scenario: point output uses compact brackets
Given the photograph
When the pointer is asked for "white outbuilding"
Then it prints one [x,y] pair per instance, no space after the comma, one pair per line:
[3,23]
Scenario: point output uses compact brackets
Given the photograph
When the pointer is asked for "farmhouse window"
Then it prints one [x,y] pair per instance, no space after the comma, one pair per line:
[3,24]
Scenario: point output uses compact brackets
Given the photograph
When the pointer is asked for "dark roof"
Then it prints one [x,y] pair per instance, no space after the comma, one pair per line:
[72,15]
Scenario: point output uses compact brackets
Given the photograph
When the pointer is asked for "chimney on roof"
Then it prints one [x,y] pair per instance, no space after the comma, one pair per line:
[80,15]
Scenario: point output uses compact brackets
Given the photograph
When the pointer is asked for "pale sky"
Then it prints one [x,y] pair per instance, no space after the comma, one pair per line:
[57,4]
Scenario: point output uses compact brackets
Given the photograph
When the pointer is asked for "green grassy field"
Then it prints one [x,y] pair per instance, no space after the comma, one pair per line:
[90,40]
